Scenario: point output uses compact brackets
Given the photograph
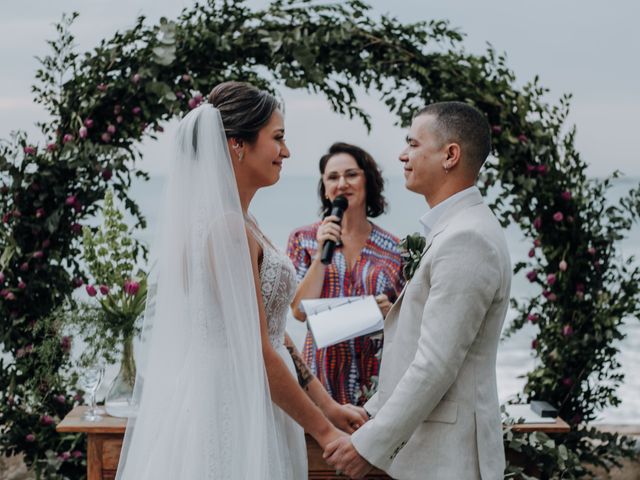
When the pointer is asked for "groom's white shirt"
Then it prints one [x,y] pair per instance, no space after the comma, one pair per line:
[436,412]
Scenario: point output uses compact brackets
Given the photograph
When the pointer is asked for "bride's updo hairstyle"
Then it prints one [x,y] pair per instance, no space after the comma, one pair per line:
[244,109]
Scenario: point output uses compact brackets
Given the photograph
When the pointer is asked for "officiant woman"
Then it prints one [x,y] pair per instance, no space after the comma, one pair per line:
[366,261]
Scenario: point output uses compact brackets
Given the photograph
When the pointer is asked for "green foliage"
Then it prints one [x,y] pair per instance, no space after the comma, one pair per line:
[103,102]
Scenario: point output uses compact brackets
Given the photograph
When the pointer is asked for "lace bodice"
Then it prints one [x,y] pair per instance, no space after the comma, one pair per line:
[278,283]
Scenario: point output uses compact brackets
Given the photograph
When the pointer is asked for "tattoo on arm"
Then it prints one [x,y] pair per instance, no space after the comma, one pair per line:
[305,376]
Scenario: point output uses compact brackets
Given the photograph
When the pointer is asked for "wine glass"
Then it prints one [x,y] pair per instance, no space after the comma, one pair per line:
[89,380]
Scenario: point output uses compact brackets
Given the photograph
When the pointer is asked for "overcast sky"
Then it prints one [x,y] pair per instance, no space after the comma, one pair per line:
[589,48]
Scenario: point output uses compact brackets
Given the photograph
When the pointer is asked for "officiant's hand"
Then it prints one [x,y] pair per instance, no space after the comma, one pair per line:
[329,229]
[342,455]
[347,418]
[383,304]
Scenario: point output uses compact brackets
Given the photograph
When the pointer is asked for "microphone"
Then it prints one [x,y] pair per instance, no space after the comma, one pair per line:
[340,204]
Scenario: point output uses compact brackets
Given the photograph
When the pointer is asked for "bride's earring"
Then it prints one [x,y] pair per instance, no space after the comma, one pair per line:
[239,152]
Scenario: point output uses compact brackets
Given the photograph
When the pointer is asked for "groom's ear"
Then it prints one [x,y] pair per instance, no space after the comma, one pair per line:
[452,159]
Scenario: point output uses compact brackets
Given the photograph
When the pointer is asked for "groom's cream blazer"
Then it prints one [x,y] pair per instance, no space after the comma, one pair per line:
[436,413]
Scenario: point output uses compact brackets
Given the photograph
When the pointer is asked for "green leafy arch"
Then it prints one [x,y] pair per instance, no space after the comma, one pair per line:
[103,102]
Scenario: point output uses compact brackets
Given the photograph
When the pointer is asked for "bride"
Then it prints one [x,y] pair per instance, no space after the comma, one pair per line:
[223,393]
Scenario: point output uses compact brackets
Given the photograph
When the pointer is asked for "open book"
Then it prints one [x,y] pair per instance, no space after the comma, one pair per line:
[334,320]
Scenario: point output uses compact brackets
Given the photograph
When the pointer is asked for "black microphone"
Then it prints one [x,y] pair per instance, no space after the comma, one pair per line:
[340,204]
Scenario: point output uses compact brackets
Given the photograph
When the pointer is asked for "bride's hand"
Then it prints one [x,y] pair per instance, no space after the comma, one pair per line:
[347,418]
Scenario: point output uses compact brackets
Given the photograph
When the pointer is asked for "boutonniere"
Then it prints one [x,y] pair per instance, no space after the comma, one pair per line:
[411,248]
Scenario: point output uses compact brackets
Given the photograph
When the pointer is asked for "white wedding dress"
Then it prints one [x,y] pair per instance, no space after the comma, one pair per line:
[205,410]
[278,284]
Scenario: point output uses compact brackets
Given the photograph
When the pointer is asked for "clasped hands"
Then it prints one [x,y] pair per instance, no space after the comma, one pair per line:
[340,452]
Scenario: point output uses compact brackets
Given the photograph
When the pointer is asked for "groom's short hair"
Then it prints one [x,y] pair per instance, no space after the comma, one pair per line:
[465,125]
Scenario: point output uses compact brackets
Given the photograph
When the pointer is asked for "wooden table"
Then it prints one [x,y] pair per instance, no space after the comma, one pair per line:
[104,443]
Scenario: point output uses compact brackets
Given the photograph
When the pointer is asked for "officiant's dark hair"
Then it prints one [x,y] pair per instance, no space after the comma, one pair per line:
[374,183]
[244,109]
[465,125]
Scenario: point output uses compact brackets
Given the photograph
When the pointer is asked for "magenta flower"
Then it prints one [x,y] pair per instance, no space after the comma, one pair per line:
[71,200]
[136,110]
[533,318]
[566,195]
[531,168]
[29,150]
[136,78]
[111,129]
[107,174]
[131,287]
[46,420]
[10,296]
[76,228]
[532,253]
[534,344]
[558,217]
[567,330]
[88,123]
[543,169]
[83,132]
[119,119]
[567,382]
[77,282]
[563,266]
[104,290]
[30,438]
[2,278]
[117,109]
[497,129]
[40,213]
[51,147]
[22,285]
[192,103]
[102,87]
[186,77]
[532,275]
[180,95]
[6,217]
[64,456]
[591,251]
[91,290]
[24,267]
[65,344]
[38,254]
[105,137]
[67,138]
[537,223]
[551,278]
[76,454]
[61,399]
[523,138]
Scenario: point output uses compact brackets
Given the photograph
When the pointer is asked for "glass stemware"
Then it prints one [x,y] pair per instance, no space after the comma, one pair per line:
[89,380]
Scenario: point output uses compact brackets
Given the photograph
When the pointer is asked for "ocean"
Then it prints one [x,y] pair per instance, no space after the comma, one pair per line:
[293,202]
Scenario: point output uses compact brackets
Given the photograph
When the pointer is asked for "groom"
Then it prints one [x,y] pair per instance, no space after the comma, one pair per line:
[436,414]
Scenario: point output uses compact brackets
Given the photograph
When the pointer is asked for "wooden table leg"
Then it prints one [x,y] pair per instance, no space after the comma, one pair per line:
[94,457]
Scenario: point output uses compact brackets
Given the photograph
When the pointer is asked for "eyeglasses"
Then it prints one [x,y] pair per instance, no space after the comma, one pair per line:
[350,176]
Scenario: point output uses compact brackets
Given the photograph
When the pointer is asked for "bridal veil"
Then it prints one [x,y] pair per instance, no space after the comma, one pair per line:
[204,406]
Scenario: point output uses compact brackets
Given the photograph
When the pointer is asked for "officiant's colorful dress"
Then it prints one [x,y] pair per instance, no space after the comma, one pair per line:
[344,369]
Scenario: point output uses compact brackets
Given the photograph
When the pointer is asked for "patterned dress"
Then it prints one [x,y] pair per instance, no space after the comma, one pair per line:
[344,369]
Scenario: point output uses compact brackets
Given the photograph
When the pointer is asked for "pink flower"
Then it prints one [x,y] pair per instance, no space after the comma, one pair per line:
[497,129]
[83,132]
[77,454]
[61,399]
[64,456]
[91,290]
[567,330]
[67,138]
[551,278]
[117,109]
[566,195]
[136,110]
[532,253]
[192,103]
[22,285]
[119,119]
[51,147]
[180,95]
[131,287]
[76,228]
[104,290]
[543,169]
[563,266]
[2,278]
[107,174]
[552,297]
[10,296]
[65,343]
[46,420]
[534,344]
[40,213]
[6,217]
[591,251]
[28,150]
[136,78]
[24,267]
[71,200]
[186,77]
[567,382]
[111,129]
[38,254]
[532,317]
[523,138]
[532,276]
[531,168]
[198,97]
[30,438]
[88,123]
[102,87]
[558,217]
[77,282]
[105,137]
[537,223]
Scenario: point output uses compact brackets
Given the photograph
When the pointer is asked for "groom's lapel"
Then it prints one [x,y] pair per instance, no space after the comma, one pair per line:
[464,203]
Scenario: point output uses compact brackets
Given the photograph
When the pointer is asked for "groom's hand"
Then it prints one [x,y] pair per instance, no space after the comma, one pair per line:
[342,455]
